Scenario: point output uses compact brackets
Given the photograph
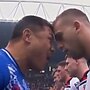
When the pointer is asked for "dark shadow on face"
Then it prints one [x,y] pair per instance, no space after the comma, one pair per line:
[70,44]
[41,49]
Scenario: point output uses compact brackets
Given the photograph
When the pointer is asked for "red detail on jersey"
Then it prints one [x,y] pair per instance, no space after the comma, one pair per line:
[84,76]
[68,83]
[15,87]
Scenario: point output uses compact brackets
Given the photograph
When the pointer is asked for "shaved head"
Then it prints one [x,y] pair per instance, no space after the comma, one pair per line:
[70,15]
[71,27]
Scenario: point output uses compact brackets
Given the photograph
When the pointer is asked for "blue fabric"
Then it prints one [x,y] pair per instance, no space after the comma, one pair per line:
[11,77]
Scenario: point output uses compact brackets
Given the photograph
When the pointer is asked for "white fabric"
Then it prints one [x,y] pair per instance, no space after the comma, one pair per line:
[73,82]
[88,81]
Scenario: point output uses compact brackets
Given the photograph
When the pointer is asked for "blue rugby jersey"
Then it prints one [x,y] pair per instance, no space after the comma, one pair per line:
[11,77]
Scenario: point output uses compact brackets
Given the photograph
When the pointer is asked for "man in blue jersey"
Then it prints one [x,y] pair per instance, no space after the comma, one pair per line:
[72,32]
[30,47]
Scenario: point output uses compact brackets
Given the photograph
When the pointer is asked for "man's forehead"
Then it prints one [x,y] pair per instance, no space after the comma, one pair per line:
[57,26]
[59,67]
[50,31]
[46,32]
[67,61]
[70,60]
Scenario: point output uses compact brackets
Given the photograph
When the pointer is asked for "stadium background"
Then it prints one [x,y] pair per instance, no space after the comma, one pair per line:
[12,11]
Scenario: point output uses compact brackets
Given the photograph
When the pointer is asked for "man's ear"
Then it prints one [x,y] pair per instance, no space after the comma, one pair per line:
[77,26]
[27,33]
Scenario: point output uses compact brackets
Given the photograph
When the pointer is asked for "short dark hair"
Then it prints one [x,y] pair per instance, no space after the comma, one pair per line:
[62,63]
[32,22]
[72,14]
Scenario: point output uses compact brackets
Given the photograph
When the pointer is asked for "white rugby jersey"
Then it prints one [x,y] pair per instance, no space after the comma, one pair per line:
[71,84]
[82,84]
[88,81]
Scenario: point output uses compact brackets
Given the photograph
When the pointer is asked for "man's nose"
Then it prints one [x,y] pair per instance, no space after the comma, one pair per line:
[66,68]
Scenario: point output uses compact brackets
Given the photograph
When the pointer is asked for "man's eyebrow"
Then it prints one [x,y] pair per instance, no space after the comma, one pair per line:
[58,33]
[58,36]
[67,63]
[52,36]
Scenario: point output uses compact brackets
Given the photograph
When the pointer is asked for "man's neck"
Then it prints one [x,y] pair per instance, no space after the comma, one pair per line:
[67,78]
[85,41]
[19,57]
[82,72]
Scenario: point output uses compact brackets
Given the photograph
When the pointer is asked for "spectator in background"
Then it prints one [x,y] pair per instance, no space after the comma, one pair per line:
[63,77]
[78,68]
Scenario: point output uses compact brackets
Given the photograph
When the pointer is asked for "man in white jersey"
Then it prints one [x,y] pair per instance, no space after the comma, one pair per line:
[78,68]
[88,82]
[72,32]
[58,85]
[64,77]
